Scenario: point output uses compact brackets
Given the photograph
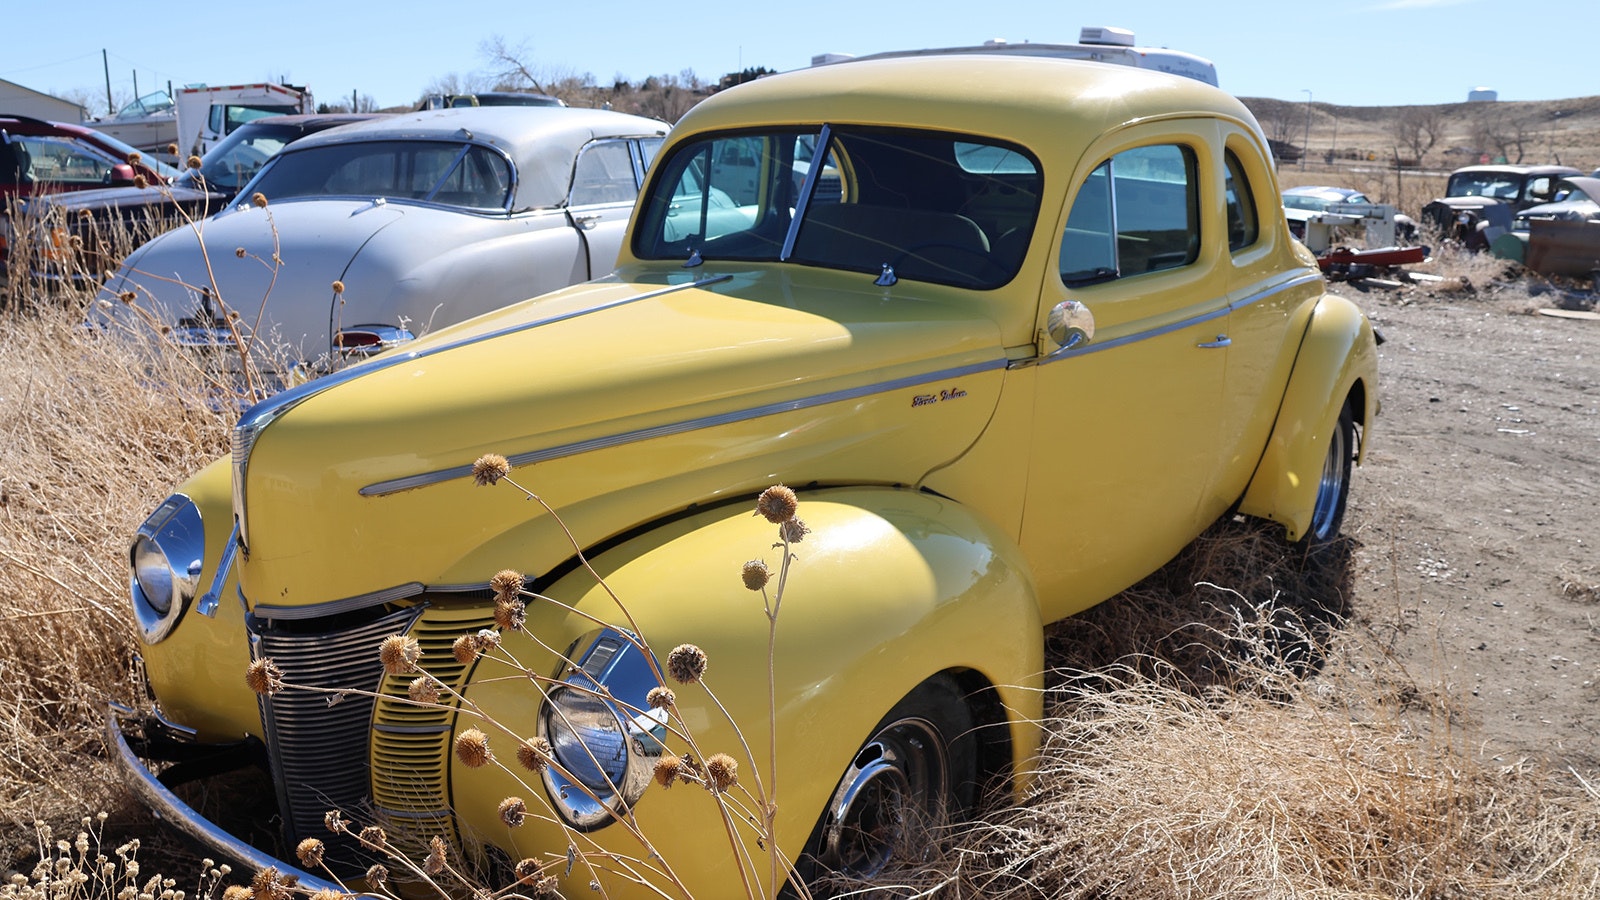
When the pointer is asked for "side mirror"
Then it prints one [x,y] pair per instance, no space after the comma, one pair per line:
[1070,324]
[121,175]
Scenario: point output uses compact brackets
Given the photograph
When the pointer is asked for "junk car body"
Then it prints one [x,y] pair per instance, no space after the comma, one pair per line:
[1016,330]
[367,235]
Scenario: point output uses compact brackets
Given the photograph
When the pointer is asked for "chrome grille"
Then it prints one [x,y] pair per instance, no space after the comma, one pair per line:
[318,739]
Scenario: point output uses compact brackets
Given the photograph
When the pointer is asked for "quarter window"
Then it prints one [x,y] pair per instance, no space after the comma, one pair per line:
[1137,212]
[1243,226]
[604,174]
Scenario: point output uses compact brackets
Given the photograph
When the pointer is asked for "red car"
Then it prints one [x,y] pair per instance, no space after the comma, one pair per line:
[39,157]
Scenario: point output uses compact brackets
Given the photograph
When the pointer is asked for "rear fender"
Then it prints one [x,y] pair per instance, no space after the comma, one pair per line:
[892,586]
[1337,364]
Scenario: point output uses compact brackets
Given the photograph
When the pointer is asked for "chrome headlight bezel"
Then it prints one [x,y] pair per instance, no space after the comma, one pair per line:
[166,558]
[605,742]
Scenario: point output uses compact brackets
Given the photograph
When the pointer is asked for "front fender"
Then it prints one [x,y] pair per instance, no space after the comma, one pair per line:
[891,587]
[1337,363]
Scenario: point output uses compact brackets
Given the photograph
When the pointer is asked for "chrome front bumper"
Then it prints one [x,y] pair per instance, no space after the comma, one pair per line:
[168,807]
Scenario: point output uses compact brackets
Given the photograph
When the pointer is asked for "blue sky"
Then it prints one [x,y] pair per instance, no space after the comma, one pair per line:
[1357,53]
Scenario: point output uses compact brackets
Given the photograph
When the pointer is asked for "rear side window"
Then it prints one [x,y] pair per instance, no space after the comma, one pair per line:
[1244,228]
[1137,212]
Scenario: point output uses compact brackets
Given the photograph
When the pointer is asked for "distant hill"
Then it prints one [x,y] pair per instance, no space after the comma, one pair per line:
[1443,136]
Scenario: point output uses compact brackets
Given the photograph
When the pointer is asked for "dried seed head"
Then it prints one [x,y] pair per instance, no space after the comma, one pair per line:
[793,531]
[193,161]
[777,504]
[686,664]
[756,575]
[263,677]
[135,156]
[127,296]
[487,639]
[423,690]
[513,812]
[722,771]
[309,852]
[528,871]
[338,286]
[258,200]
[660,697]
[507,585]
[333,820]
[490,468]
[399,654]
[172,149]
[438,856]
[373,838]
[465,648]
[510,615]
[377,876]
[472,748]
[141,182]
[668,768]
[270,884]
[534,754]
[231,892]
[239,252]
[330,894]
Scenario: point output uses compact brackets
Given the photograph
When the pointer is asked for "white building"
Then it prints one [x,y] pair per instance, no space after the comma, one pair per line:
[16,100]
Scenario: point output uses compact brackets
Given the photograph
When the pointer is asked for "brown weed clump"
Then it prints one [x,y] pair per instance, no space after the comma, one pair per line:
[93,434]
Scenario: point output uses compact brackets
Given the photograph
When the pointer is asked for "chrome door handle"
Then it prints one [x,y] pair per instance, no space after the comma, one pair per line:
[1221,341]
[587,223]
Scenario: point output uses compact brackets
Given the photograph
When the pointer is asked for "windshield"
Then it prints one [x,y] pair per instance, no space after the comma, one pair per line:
[950,209]
[126,152]
[1498,185]
[240,155]
[446,172]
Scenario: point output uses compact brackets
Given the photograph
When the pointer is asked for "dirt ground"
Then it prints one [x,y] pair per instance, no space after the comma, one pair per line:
[1476,517]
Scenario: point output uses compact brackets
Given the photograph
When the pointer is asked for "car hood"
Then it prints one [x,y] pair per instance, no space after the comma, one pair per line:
[614,400]
[233,255]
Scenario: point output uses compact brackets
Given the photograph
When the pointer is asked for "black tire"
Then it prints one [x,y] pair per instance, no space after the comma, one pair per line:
[1333,487]
[918,769]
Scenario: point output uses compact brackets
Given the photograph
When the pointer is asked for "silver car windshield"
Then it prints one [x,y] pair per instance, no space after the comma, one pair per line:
[450,173]
[931,206]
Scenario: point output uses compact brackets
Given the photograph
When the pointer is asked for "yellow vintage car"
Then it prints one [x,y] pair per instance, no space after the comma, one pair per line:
[1014,330]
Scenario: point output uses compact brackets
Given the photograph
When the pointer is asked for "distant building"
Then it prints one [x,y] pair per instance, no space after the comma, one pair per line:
[1482,95]
[16,100]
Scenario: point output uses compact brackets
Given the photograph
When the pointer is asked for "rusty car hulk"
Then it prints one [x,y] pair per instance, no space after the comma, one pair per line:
[1015,330]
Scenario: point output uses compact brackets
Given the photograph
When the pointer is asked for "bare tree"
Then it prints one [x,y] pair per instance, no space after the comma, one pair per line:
[512,64]
[1418,129]
[1507,136]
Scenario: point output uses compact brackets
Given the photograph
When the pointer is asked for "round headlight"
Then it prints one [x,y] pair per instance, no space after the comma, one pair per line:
[605,745]
[166,557]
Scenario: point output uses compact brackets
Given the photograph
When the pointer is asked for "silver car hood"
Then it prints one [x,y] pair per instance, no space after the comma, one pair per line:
[274,267]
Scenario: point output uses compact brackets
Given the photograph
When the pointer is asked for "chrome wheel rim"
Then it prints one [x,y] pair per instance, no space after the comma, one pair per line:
[899,780]
[1330,488]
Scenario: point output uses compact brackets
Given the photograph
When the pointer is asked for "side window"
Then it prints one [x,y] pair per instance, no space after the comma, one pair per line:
[1243,227]
[1137,212]
[604,175]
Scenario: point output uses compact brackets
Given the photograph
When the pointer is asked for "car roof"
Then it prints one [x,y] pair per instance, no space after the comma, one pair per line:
[1025,99]
[543,140]
[316,121]
[1586,183]
[1522,170]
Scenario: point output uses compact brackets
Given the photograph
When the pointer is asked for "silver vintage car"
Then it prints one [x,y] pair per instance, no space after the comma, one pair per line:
[358,238]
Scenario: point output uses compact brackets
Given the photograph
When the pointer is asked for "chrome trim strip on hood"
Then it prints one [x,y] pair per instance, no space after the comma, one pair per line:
[255,419]
[409,482]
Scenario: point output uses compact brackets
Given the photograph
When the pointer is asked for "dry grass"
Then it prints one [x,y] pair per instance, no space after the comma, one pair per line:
[1204,741]
[93,433]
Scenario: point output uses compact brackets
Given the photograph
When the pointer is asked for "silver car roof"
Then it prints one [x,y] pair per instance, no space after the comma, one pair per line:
[541,140]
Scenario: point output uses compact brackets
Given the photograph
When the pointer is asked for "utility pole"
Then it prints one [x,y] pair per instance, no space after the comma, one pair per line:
[106,62]
[1307,150]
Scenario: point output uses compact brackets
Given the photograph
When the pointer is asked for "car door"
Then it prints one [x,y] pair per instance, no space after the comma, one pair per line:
[1270,302]
[605,185]
[1125,423]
